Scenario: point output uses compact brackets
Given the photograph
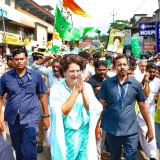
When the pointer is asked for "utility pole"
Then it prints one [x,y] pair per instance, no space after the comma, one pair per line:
[113,15]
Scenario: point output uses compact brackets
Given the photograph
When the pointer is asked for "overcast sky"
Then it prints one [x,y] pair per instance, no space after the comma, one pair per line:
[102,10]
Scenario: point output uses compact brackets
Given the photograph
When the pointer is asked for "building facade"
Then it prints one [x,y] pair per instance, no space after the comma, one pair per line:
[20,20]
[145,29]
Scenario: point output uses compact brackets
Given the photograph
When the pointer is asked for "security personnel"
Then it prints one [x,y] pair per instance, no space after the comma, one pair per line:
[119,94]
[24,88]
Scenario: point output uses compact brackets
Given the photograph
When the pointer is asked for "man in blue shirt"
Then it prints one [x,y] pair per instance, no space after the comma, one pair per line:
[24,88]
[119,94]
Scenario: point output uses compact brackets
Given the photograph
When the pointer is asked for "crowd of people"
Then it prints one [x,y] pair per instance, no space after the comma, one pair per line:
[81,104]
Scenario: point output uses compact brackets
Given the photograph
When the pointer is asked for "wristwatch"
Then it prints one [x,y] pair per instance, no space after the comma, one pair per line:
[45,116]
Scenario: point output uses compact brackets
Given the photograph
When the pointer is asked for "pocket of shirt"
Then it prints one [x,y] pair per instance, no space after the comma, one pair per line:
[30,90]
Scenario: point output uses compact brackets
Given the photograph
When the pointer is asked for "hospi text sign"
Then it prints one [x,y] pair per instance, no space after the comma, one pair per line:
[147,29]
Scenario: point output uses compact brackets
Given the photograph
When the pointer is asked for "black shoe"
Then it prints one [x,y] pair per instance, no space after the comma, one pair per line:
[152,159]
[40,148]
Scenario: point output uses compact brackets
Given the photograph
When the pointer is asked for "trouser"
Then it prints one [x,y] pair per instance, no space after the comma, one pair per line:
[23,137]
[6,152]
[157,130]
[106,143]
[129,143]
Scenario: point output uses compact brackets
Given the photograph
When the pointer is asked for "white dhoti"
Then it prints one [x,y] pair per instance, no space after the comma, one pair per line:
[149,148]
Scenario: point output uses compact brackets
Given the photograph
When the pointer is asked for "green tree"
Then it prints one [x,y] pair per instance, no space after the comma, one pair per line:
[103,38]
[119,24]
[85,37]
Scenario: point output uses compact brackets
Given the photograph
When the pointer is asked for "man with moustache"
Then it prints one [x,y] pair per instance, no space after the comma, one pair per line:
[88,70]
[72,49]
[141,69]
[96,81]
[54,75]
[118,94]
[24,88]
[153,82]
[99,76]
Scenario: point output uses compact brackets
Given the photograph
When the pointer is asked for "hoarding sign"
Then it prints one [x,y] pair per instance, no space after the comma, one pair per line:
[147,29]
[127,41]
[158,36]
[149,47]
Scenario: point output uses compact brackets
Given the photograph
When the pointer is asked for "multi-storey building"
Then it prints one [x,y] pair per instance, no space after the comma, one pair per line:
[24,19]
[147,39]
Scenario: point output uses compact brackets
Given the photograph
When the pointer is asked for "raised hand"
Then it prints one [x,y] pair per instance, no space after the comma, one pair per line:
[79,85]
[146,76]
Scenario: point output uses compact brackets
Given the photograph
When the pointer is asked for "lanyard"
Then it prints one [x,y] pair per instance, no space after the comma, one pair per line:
[120,94]
[21,83]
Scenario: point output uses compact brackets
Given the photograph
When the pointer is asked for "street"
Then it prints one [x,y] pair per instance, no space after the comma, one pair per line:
[45,155]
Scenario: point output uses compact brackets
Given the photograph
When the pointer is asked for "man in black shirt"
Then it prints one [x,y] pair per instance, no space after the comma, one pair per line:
[99,76]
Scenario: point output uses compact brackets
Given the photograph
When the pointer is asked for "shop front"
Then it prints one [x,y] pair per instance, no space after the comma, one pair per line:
[9,40]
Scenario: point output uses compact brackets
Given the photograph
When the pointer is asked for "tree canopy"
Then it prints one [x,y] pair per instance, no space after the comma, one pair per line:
[119,24]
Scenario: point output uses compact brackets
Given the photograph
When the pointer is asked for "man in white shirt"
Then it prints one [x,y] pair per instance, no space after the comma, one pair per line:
[150,149]
[72,49]
[140,71]
[88,69]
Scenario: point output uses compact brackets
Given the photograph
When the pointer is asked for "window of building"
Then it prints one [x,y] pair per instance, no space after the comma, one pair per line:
[8,2]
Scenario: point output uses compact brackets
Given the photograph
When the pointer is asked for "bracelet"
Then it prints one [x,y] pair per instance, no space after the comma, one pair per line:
[45,116]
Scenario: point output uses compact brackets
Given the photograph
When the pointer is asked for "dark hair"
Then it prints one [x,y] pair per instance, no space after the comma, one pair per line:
[97,55]
[90,59]
[97,64]
[151,65]
[19,51]
[117,37]
[1,54]
[84,54]
[72,42]
[9,58]
[119,57]
[107,56]
[131,68]
[37,55]
[69,59]
[56,60]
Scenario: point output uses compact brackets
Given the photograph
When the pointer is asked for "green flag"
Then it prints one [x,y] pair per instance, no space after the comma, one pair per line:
[61,24]
[67,31]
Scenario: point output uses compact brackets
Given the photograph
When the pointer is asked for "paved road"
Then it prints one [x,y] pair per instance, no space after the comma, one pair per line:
[46,156]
